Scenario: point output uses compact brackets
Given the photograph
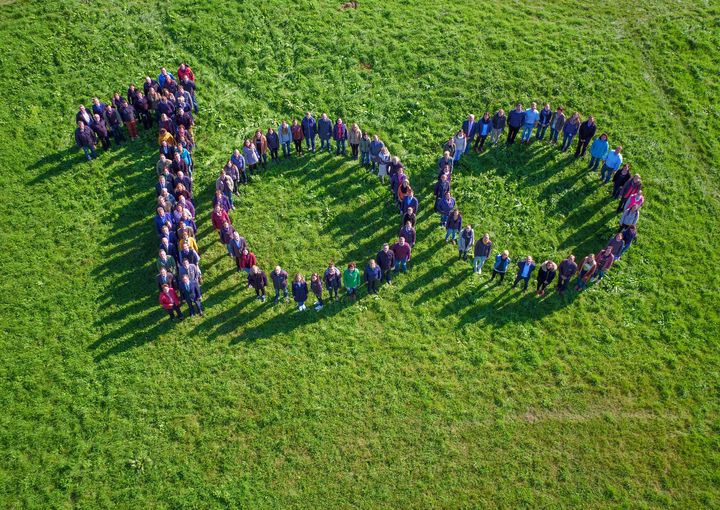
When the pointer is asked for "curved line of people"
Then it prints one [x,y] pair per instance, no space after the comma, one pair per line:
[626,187]
[371,152]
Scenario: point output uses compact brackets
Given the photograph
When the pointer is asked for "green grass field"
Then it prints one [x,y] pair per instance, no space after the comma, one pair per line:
[445,392]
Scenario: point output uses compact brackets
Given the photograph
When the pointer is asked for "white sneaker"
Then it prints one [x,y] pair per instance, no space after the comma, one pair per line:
[318,307]
[316,303]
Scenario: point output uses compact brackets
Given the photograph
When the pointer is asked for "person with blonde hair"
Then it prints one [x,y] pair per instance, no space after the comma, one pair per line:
[300,291]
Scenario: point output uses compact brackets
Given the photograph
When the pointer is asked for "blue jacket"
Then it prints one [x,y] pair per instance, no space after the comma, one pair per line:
[472,130]
[545,115]
[375,148]
[521,267]
[599,148]
[409,201]
[500,264]
[191,293]
[445,207]
[483,127]
[161,220]
[325,128]
[372,274]
[309,126]
[343,132]
[300,291]
[516,119]
[284,137]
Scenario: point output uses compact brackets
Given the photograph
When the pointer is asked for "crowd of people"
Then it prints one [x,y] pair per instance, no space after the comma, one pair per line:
[626,187]
[167,104]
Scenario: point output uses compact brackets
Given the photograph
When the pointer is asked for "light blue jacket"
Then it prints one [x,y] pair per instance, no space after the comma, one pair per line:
[599,148]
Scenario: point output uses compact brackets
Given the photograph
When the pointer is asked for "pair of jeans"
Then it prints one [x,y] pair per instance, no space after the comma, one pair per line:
[525,279]
[319,299]
[594,163]
[553,135]
[496,272]
[340,146]
[457,155]
[606,173]
[401,264]
[567,141]
[333,289]
[562,283]
[468,143]
[278,291]
[228,195]
[599,275]
[263,159]
[451,234]
[372,286]
[325,142]
[495,136]
[387,275]
[512,133]
[443,219]
[364,158]
[286,148]
[274,154]
[582,146]
[175,310]
[195,307]
[478,263]
[89,151]
[540,131]
[309,142]
[624,249]
[527,132]
[354,150]
[480,142]
[260,292]
[581,284]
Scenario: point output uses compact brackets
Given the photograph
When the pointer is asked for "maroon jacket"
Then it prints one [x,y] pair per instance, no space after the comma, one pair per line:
[401,252]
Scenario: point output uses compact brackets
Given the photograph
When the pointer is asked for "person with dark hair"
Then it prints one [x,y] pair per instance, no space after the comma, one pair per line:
[300,291]
[190,292]
[246,260]
[525,268]
[325,132]
[408,232]
[453,226]
[466,241]
[543,122]
[502,261]
[604,260]
[569,131]
[409,216]
[297,136]
[365,149]
[402,252]
[129,117]
[316,287]
[351,280]
[628,235]
[585,133]
[445,207]
[386,261]
[546,274]
[332,279]
[616,244]
[481,253]
[516,119]
[273,143]
[309,130]
[85,139]
[258,281]
[261,147]
[170,301]
[340,135]
[631,187]
[498,126]
[373,275]
[587,269]
[619,179]
[566,271]
[557,123]
[598,151]
[469,128]
[483,129]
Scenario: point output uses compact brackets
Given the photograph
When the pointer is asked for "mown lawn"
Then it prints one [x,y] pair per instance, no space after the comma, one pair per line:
[444,392]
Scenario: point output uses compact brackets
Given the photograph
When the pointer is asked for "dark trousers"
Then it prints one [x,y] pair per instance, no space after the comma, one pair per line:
[274,154]
[175,310]
[354,150]
[118,134]
[581,147]
[333,289]
[525,279]
[319,299]
[496,272]
[512,133]
[105,141]
[298,146]
[372,286]
[195,307]
[260,291]
[562,283]
[387,275]
[146,120]
[480,142]
[542,284]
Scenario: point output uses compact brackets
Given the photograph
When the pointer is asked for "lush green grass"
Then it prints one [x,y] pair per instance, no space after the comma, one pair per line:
[444,392]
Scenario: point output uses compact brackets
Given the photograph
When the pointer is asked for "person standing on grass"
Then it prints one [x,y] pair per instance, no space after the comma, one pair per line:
[285,135]
[516,120]
[483,129]
[525,268]
[325,132]
[441,187]
[546,274]
[619,179]
[409,216]
[611,164]
[616,244]
[332,279]
[170,301]
[297,136]
[354,137]
[340,135]
[453,226]
[543,122]
[191,270]
[585,134]
[261,147]
[351,281]
[629,217]
[237,247]
[445,207]
[252,156]
[386,261]
[498,126]
[166,261]
[631,187]
[373,274]
[112,119]
[402,252]
[85,139]
[502,261]
[482,251]
[446,161]
[258,281]
[408,232]
[461,144]
[129,117]
[161,219]
[309,129]
[222,200]
[588,266]
[299,291]
[273,143]
[316,287]
[84,115]
[449,147]
[557,123]
[247,260]
[532,117]
[219,218]
[164,278]
[383,159]
[376,145]
[100,129]
[188,253]
[604,260]
[365,150]
[566,271]
[598,151]
[569,131]
[224,184]
[185,73]
[469,127]
[629,235]
[466,241]
[238,160]
[410,201]
[279,278]
[190,292]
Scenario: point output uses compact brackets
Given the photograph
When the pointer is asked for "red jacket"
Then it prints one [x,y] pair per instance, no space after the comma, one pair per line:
[219,219]
[247,261]
[187,73]
[169,298]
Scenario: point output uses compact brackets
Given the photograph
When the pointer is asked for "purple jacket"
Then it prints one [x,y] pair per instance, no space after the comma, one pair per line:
[566,269]
[84,137]
[309,127]
[386,260]
[280,280]
[445,207]
[339,132]
[454,223]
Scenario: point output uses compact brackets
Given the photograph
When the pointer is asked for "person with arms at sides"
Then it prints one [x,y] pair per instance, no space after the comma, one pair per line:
[252,156]
[441,187]
[498,126]
[129,117]
[237,161]
[185,73]
[332,278]
[299,291]
[636,198]
[469,127]
[98,108]
[164,278]
[598,151]
[190,292]
[629,235]
[409,216]
[221,200]
[84,115]
[611,164]
[481,253]
[604,259]
[631,187]
[543,122]
[629,217]
[408,232]
[461,144]
[402,252]
[340,135]
[285,134]
[557,123]
[261,147]
[279,278]
[100,129]
[616,244]
[483,130]
[237,246]
[297,136]
[365,150]
[619,179]
[410,201]
[85,139]
[566,271]
[169,247]
[449,147]
[386,261]
[190,254]
[515,121]
[373,274]
[570,130]
[163,77]
[585,134]
[161,218]
[226,235]
[186,240]
[525,268]
[309,129]
[532,117]
[191,271]
[166,261]
[466,241]
[502,261]
[247,260]
[316,287]
[351,281]
[546,274]
[445,207]
[273,143]
[453,226]
[383,159]
[376,145]
[354,136]
[588,266]
[165,139]
[142,107]
[325,132]
[170,301]
[258,281]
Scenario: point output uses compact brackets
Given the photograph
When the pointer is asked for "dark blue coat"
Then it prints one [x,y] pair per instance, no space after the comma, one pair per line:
[309,126]
[385,260]
[516,119]
[325,128]
[372,274]
[343,132]
[300,291]
[472,130]
[191,293]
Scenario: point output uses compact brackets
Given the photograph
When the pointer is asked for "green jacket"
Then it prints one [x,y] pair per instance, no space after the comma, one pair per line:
[168,264]
[351,278]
